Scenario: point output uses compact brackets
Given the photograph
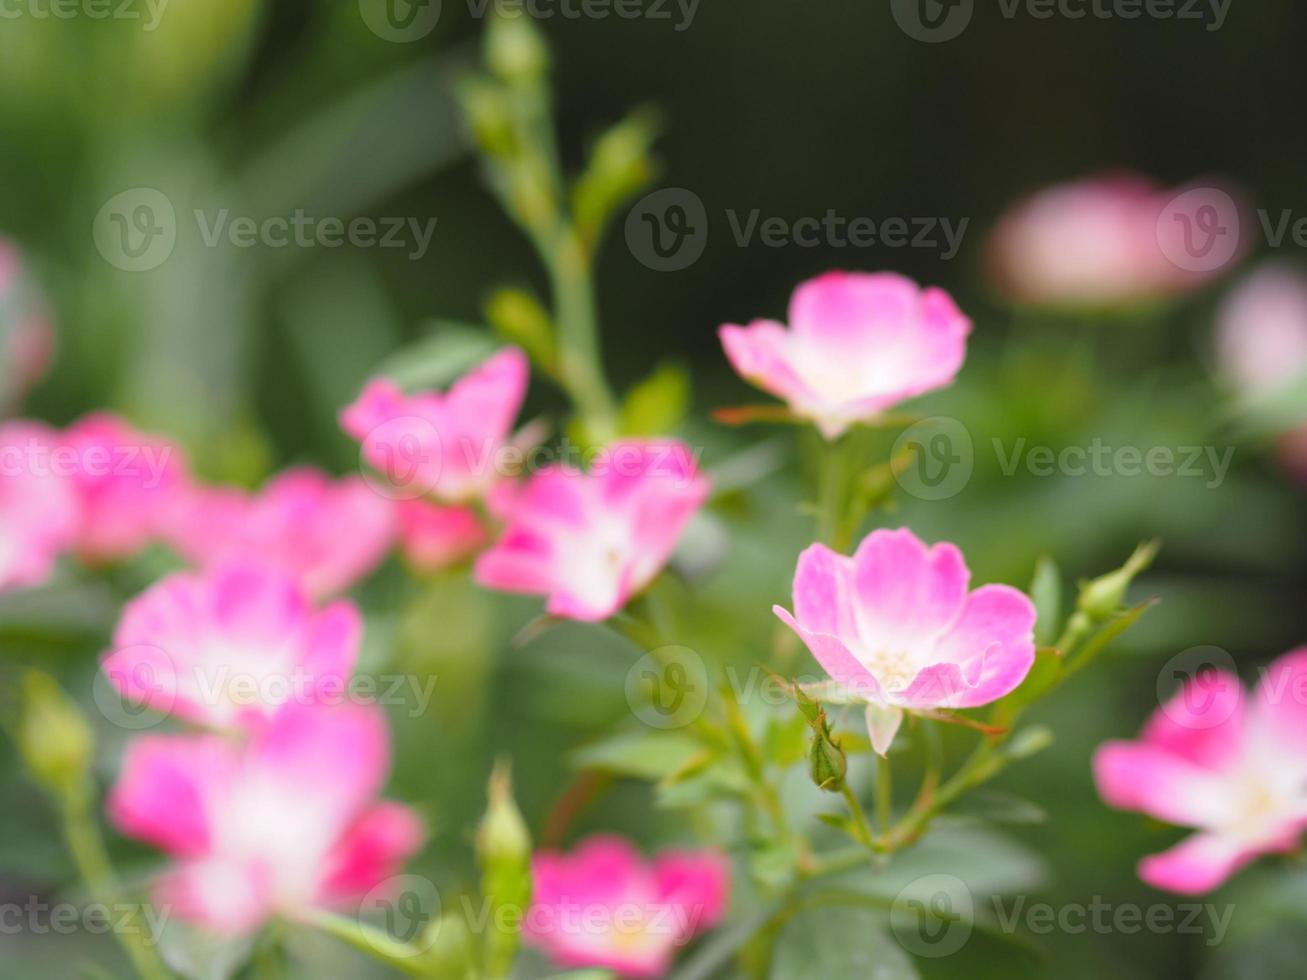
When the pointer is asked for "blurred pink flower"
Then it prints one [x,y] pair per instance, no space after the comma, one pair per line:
[231,646]
[895,628]
[26,332]
[442,445]
[1110,241]
[126,483]
[591,541]
[433,537]
[328,533]
[857,345]
[1209,759]
[38,508]
[1261,331]
[603,906]
[282,824]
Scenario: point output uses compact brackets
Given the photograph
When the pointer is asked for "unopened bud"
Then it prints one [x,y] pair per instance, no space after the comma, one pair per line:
[54,737]
[827,763]
[1103,597]
[515,50]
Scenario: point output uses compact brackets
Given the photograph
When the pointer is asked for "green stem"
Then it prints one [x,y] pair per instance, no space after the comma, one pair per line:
[830,500]
[579,356]
[865,834]
[87,848]
[884,792]
[371,942]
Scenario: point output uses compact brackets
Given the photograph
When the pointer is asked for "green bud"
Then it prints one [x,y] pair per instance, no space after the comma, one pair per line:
[515,50]
[502,838]
[517,316]
[826,763]
[618,168]
[54,737]
[485,105]
[1103,597]
[504,852]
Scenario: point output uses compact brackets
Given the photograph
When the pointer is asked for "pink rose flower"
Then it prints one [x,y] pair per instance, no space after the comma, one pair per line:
[38,509]
[327,533]
[443,445]
[895,627]
[26,333]
[857,345]
[126,483]
[1103,242]
[230,647]
[589,542]
[282,824]
[1208,759]
[603,906]
[433,537]
[1261,331]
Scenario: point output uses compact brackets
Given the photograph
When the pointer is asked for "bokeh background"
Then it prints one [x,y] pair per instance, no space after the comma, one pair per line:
[794,109]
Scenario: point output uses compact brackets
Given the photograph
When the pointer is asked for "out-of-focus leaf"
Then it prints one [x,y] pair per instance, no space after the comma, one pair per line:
[1046,593]
[998,807]
[644,755]
[839,943]
[657,405]
[437,359]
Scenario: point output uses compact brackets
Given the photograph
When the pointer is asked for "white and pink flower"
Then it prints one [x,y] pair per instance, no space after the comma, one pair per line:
[590,541]
[432,537]
[1261,332]
[126,483]
[1111,241]
[327,533]
[604,906]
[38,509]
[231,647]
[282,824]
[1232,767]
[857,345]
[895,628]
[446,446]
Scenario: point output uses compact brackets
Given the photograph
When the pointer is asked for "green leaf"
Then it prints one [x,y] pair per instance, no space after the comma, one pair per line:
[1045,672]
[657,405]
[998,807]
[643,755]
[1046,593]
[439,358]
[619,167]
[839,943]
[519,318]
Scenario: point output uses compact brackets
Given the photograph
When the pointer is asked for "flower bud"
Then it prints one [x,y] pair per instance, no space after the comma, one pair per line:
[489,117]
[515,50]
[518,317]
[1101,598]
[55,740]
[502,838]
[827,763]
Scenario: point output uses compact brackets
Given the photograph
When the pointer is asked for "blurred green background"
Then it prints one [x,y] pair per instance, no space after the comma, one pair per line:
[787,107]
